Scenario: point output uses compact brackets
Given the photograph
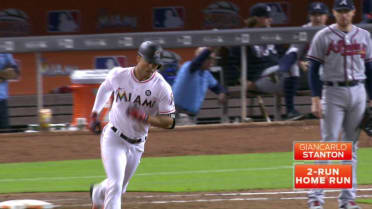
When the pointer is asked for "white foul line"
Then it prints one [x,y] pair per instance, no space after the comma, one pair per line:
[244,193]
[221,200]
[148,174]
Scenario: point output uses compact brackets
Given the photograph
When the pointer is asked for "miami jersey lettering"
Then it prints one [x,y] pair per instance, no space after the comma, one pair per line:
[154,96]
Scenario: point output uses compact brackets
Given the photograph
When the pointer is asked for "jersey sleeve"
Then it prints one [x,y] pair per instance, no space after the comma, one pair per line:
[166,103]
[316,51]
[11,62]
[212,82]
[103,93]
[369,49]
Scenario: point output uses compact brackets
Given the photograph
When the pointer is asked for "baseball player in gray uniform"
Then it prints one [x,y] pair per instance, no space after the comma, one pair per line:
[339,96]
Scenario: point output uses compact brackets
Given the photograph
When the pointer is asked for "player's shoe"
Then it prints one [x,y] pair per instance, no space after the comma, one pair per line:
[294,115]
[315,205]
[91,197]
[350,205]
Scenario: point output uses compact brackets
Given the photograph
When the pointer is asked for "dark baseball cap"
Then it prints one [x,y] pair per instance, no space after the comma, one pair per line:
[260,10]
[318,8]
[343,5]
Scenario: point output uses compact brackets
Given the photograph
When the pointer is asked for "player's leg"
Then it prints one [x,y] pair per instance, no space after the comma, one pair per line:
[114,161]
[133,159]
[330,126]
[290,85]
[353,117]
[269,82]
[98,190]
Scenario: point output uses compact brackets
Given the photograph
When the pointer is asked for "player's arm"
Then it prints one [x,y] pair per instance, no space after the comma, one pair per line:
[103,94]
[197,62]
[167,121]
[368,68]
[166,116]
[216,88]
[368,72]
[316,55]
[220,91]
[10,71]
[316,87]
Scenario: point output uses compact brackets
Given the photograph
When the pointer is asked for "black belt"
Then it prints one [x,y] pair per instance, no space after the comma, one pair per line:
[343,83]
[130,140]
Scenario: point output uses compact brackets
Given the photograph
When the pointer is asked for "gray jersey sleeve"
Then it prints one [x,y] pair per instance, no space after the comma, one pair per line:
[317,51]
[369,49]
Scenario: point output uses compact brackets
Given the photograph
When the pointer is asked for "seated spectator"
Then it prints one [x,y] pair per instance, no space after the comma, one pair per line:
[191,84]
[262,60]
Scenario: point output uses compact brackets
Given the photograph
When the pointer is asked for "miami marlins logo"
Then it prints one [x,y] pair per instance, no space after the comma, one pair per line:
[148,93]
[123,96]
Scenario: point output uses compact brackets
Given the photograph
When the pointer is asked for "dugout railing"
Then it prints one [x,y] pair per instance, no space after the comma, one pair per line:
[179,39]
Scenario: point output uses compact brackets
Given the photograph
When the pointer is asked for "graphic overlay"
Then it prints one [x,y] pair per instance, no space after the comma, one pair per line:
[311,176]
[322,150]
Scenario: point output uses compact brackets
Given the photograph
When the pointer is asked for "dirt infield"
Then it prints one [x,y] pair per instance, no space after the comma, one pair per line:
[196,140]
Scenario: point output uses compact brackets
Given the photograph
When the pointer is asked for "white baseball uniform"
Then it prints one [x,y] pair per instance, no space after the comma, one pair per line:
[120,157]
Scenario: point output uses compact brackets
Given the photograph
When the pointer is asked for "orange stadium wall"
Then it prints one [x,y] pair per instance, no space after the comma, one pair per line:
[93,18]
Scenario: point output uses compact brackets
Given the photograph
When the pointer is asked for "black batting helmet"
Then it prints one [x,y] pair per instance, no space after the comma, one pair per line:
[151,52]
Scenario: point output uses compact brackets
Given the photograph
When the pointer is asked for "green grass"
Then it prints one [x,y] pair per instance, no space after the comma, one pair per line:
[168,174]
[365,201]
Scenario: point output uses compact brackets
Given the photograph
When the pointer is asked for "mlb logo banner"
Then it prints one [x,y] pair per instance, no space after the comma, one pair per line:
[168,17]
[109,62]
[64,21]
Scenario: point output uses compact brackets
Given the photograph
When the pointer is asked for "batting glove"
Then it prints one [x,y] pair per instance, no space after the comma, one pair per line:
[95,124]
[137,114]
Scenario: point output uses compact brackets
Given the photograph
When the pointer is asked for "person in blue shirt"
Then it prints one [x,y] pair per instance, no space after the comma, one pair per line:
[8,70]
[192,82]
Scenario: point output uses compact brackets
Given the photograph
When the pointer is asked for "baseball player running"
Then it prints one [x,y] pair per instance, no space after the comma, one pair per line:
[141,98]
[345,52]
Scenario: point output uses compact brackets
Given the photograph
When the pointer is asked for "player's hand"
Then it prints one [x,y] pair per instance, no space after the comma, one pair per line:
[95,124]
[370,103]
[222,98]
[137,114]
[274,77]
[304,65]
[316,107]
